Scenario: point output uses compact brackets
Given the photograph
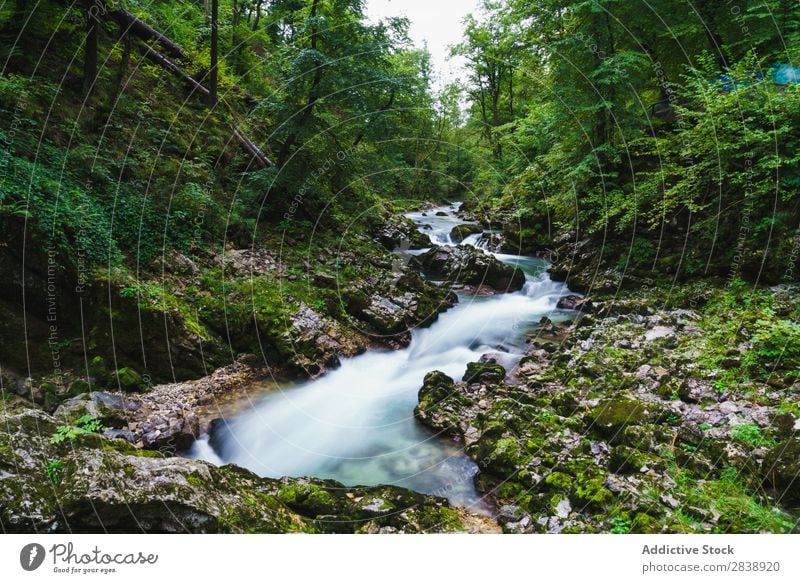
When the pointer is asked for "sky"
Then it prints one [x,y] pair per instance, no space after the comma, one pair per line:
[439,22]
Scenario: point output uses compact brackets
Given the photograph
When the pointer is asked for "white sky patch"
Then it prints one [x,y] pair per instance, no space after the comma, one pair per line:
[439,22]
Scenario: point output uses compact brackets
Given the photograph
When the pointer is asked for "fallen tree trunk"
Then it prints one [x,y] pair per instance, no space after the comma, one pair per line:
[144,31]
[174,68]
[251,148]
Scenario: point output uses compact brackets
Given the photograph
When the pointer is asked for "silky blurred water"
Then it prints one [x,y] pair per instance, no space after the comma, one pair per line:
[356,424]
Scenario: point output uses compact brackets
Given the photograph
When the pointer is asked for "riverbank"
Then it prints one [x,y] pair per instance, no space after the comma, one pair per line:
[658,412]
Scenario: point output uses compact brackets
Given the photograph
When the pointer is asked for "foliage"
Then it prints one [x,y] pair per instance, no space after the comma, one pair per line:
[750,433]
[54,468]
[594,116]
[81,426]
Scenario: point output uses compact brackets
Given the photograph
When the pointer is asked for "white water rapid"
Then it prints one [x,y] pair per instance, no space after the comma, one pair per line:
[356,423]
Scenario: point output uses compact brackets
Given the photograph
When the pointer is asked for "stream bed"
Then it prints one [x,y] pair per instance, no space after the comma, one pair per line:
[356,424]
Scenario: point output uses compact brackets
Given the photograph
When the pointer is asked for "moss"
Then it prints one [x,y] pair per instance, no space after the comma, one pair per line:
[484,372]
[129,379]
[645,524]
[592,491]
[559,481]
[195,480]
[613,415]
[98,370]
[78,387]
[309,499]
[439,519]
[628,460]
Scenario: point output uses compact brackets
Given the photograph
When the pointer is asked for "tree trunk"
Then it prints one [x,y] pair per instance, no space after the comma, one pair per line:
[258,14]
[90,49]
[122,73]
[144,31]
[313,93]
[213,72]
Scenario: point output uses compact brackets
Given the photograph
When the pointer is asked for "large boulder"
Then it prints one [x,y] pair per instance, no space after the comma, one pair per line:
[461,232]
[314,342]
[112,409]
[401,232]
[392,306]
[442,403]
[781,469]
[471,266]
[94,484]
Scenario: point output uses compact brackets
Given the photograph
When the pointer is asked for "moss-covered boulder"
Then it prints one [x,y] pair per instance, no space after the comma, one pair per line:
[461,232]
[613,415]
[484,372]
[128,379]
[94,484]
[781,469]
[441,403]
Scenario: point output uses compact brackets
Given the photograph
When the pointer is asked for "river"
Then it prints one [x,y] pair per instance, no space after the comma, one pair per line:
[356,424]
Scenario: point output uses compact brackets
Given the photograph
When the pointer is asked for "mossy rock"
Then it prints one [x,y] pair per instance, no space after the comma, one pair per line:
[484,372]
[310,499]
[592,491]
[781,468]
[461,232]
[558,481]
[99,371]
[645,524]
[627,460]
[441,403]
[78,387]
[613,415]
[129,380]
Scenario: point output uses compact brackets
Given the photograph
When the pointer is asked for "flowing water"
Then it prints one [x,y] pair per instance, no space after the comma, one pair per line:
[356,424]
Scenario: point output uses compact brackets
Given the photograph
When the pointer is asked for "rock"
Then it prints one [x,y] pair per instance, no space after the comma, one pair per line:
[389,316]
[441,214]
[468,265]
[613,415]
[484,372]
[313,342]
[323,279]
[441,403]
[781,469]
[563,508]
[509,513]
[693,390]
[251,262]
[113,409]
[573,302]
[180,264]
[390,307]
[658,332]
[109,486]
[128,379]
[461,232]
[399,232]
[546,325]
[783,424]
